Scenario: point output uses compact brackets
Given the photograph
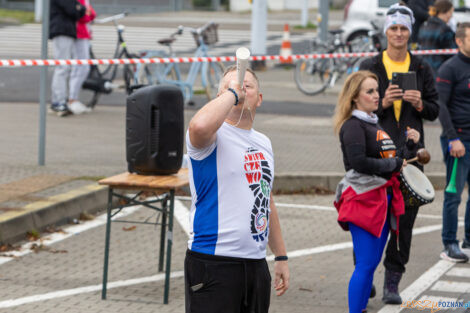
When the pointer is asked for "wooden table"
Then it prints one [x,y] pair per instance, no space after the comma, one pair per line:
[165,185]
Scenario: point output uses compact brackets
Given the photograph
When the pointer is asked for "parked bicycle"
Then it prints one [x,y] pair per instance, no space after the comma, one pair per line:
[170,73]
[369,41]
[101,78]
[313,76]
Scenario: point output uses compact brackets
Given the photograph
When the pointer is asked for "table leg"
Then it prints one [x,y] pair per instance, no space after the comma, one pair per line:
[106,245]
[168,247]
[163,235]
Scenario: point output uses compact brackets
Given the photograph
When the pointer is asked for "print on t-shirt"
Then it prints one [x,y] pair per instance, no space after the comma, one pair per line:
[387,147]
[259,177]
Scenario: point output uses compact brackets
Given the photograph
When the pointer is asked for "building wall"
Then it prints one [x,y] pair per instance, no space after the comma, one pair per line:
[114,6]
[274,5]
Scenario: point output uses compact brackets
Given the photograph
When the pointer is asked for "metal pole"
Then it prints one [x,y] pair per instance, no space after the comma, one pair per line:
[178,5]
[259,14]
[169,245]
[258,27]
[106,244]
[216,5]
[43,85]
[165,209]
[37,10]
[323,10]
[304,20]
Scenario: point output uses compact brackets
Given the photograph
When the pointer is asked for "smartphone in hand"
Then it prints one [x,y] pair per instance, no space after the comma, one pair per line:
[405,81]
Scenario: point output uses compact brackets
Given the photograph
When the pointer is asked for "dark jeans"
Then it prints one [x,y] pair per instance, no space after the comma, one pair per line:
[215,284]
[395,260]
[452,200]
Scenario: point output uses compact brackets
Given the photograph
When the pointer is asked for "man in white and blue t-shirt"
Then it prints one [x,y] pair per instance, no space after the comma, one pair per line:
[233,215]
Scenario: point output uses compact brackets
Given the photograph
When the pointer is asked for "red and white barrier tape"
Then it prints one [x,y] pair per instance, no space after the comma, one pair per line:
[52,62]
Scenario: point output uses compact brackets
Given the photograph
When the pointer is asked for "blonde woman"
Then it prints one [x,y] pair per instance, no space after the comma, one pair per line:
[368,199]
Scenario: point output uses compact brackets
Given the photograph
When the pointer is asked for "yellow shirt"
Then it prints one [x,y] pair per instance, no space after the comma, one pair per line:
[398,67]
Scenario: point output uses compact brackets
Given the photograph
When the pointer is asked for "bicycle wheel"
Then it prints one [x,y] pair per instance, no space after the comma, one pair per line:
[312,76]
[215,70]
[152,74]
[144,74]
[129,74]
[98,81]
[361,42]
[93,100]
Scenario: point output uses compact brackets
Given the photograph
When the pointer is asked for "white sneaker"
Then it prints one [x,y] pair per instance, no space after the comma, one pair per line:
[78,108]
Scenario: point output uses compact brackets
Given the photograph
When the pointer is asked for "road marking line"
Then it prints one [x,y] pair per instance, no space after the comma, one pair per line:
[316,250]
[306,206]
[431,228]
[324,208]
[181,215]
[459,271]
[76,291]
[348,244]
[69,232]
[421,284]
[451,286]
[436,299]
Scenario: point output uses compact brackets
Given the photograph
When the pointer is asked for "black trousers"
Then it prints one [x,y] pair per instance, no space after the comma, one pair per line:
[395,260]
[215,284]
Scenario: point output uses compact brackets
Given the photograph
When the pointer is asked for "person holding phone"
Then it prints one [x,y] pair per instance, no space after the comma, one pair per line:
[397,111]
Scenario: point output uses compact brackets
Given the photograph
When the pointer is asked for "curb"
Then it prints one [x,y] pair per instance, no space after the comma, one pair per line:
[58,209]
[62,208]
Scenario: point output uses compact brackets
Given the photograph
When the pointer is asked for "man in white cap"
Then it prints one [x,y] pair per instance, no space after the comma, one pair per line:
[399,110]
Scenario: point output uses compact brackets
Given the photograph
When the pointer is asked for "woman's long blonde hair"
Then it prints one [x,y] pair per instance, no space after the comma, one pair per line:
[350,91]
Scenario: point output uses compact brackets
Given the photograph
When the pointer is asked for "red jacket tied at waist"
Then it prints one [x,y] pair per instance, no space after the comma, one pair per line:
[368,210]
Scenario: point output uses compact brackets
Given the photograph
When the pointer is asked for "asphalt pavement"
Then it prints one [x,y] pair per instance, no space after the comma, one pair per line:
[82,149]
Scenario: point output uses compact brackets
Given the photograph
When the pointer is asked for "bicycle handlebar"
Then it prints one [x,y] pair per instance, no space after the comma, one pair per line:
[111,18]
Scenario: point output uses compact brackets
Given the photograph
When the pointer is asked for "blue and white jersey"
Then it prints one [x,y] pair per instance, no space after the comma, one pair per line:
[231,182]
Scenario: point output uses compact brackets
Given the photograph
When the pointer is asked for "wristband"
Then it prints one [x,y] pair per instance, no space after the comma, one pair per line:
[235,94]
[281,258]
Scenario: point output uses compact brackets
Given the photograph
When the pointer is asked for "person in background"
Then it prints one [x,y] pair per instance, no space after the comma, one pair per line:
[81,50]
[453,85]
[63,17]
[397,111]
[420,10]
[368,199]
[436,34]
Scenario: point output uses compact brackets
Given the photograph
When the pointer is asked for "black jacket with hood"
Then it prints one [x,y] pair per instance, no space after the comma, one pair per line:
[63,18]
[409,116]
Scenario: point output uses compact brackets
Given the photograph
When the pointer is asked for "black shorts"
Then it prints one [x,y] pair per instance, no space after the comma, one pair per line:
[217,284]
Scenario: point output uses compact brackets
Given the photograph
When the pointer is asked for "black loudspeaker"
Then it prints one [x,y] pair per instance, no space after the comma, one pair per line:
[155,130]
